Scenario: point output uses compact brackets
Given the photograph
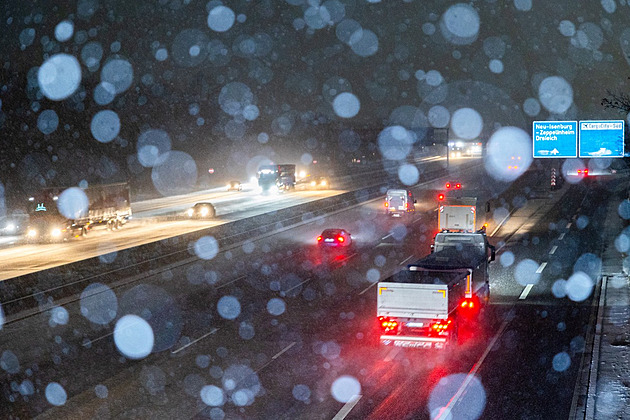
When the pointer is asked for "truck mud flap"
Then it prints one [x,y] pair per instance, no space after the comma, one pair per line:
[413,342]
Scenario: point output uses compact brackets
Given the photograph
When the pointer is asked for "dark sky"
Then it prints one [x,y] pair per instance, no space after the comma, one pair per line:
[277,65]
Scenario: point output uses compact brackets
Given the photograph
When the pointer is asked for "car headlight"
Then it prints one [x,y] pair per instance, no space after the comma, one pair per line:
[313,183]
[55,233]
[191,212]
[31,233]
[11,228]
[323,182]
[204,212]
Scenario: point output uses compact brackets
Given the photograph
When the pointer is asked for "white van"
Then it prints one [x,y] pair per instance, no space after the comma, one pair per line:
[399,202]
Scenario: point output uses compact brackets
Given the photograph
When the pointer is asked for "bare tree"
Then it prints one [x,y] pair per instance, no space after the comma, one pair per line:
[617,101]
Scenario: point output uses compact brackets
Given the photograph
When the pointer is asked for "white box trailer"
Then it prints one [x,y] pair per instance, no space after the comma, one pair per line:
[458,215]
[422,306]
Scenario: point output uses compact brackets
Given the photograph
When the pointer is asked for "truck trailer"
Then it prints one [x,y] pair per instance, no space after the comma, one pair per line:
[276,177]
[108,205]
[425,305]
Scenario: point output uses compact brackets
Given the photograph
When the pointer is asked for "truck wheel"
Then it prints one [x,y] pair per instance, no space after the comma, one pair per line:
[118,224]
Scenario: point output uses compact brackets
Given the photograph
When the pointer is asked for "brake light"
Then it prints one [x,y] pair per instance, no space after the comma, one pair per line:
[440,197]
[469,307]
[458,186]
[468,304]
[319,238]
[406,205]
[386,204]
[585,172]
[441,325]
[340,239]
[448,185]
[387,324]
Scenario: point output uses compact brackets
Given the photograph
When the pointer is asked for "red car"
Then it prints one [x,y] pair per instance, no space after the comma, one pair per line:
[334,238]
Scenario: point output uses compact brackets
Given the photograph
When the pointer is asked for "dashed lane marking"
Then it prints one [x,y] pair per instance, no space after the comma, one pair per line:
[525,292]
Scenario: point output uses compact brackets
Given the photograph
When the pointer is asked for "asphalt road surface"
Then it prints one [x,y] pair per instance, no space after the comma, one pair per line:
[275,328]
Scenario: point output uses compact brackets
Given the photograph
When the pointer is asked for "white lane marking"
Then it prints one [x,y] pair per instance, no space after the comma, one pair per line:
[392,354]
[367,288]
[280,353]
[230,282]
[283,350]
[96,339]
[553,249]
[385,237]
[541,268]
[561,237]
[110,333]
[526,292]
[568,225]
[501,224]
[445,413]
[405,260]
[347,407]
[194,341]
[297,285]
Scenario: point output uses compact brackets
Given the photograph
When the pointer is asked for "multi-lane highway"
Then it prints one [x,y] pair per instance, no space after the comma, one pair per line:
[274,328]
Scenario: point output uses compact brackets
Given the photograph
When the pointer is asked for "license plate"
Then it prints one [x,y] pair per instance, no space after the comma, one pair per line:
[329,240]
[413,344]
[401,207]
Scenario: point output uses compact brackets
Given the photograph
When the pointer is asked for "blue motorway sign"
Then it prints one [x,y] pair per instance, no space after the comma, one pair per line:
[555,139]
[601,139]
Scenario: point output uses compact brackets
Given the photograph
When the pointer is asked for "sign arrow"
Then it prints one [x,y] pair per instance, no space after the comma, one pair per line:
[554,151]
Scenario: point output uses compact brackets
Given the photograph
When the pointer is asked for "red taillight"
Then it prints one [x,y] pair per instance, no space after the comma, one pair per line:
[585,172]
[579,171]
[386,204]
[406,205]
[468,304]
[469,307]
[340,239]
[440,197]
[458,186]
[448,185]
[387,324]
[319,238]
[441,325]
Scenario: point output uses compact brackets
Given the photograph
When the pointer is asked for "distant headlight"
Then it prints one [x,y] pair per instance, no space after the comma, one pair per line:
[204,212]
[313,183]
[324,182]
[55,233]
[191,212]
[11,228]
[31,233]
[229,186]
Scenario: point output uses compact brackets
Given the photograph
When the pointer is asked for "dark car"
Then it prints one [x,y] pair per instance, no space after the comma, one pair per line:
[234,186]
[334,238]
[201,211]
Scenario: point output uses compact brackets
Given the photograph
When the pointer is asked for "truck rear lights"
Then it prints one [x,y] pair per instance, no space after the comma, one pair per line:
[319,238]
[467,304]
[387,324]
[458,186]
[440,197]
[448,185]
[441,325]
